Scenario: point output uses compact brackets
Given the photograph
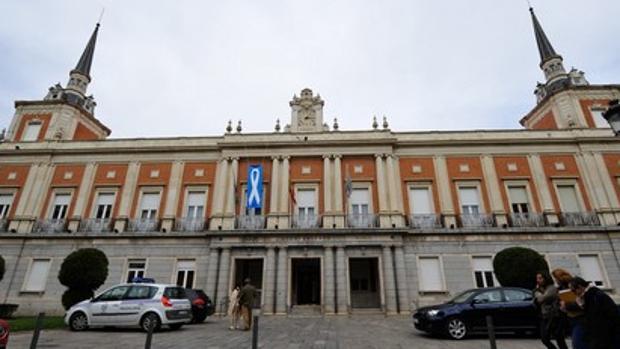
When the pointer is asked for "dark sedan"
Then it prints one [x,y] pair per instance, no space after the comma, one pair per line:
[511,308]
[201,305]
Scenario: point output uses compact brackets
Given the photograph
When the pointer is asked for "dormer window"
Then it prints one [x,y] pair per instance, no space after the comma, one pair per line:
[32,131]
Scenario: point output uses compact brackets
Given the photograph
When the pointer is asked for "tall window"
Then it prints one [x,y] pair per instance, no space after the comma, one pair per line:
[569,202]
[430,274]
[360,199]
[518,199]
[420,200]
[37,275]
[5,205]
[599,120]
[135,269]
[196,204]
[306,199]
[32,131]
[591,269]
[103,210]
[149,205]
[60,206]
[470,202]
[483,271]
[185,273]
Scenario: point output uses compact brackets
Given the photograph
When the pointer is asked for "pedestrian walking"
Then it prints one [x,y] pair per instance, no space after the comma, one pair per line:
[601,317]
[572,312]
[547,300]
[233,307]
[247,295]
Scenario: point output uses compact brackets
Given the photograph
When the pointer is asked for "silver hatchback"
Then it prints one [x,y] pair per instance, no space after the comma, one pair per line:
[137,304]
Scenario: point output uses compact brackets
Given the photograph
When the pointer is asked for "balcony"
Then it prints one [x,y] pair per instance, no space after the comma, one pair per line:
[50,226]
[143,225]
[480,220]
[4,225]
[361,221]
[96,225]
[306,221]
[521,220]
[574,219]
[189,224]
[251,222]
[424,221]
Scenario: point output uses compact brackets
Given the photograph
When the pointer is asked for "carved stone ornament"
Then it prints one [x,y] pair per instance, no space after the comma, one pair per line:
[308,111]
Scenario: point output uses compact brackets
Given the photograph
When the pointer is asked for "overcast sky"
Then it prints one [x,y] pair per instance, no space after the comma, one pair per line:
[183,68]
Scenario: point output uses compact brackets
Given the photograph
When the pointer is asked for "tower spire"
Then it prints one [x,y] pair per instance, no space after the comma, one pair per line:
[86,60]
[550,62]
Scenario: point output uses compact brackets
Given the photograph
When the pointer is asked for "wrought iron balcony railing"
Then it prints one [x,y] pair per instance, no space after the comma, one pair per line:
[189,224]
[50,226]
[361,221]
[480,220]
[306,221]
[251,222]
[573,219]
[527,220]
[424,221]
[143,225]
[96,225]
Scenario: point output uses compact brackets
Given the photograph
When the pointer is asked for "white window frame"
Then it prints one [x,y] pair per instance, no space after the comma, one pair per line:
[195,189]
[597,117]
[176,272]
[470,185]
[12,193]
[25,283]
[94,205]
[568,182]
[149,190]
[125,275]
[473,270]
[421,185]
[528,191]
[307,186]
[362,185]
[606,284]
[27,126]
[442,276]
[56,192]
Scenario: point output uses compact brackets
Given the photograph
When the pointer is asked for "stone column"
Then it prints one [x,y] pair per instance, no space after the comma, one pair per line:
[228,222]
[223,288]
[25,215]
[212,276]
[396,197]
[594,187]
[492,186]
[283,222]
[338,204]
[341,282]
[445,196]
[41,190]
[172,197]
[328,219]
[401,278]
[540,180]
[282,282]
[270,281]
[219,189]
[274,210]
[129,190]
[384,208]
[388,281]
[329,281]
[83,194]
[607,184]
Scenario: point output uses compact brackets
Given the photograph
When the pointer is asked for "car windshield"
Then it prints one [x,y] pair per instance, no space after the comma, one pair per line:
[462,297]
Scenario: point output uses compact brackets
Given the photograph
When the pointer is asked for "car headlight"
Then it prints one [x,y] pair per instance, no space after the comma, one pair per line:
[433,312]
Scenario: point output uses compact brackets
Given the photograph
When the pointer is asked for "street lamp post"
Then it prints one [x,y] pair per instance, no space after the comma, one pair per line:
[612,115]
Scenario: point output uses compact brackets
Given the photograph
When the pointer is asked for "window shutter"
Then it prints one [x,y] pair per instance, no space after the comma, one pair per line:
[359,196]
[62,199]
[305,198]
[518,195]
[482,264]
[150,201]
[196,199]
[591,269]
[32,132]
[6,199]
[38,275]
[430,274]
[105,199]
[420,201]
[568,198]
[469,196]
[186,265]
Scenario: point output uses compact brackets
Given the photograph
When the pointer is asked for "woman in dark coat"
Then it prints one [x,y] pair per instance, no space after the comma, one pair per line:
[602,320]
[547,300]
[573,312]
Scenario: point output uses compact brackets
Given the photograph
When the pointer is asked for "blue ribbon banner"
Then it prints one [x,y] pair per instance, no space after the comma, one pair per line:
[254,192]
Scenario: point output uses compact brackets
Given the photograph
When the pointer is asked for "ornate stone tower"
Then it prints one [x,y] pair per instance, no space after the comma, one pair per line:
[307,112]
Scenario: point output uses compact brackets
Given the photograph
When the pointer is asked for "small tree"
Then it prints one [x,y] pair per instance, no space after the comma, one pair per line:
[1,268]
[517,267]
[82,271]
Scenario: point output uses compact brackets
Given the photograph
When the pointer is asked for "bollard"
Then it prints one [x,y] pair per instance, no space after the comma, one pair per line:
[491,332]
[37,331]
[149,337]
[255,333]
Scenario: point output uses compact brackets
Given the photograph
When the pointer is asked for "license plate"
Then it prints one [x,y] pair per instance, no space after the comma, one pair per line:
[182,312]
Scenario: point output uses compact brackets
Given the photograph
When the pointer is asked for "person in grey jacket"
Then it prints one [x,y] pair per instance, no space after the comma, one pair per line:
[548,302]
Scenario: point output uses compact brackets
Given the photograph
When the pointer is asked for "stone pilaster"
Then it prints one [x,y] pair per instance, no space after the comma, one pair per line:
[329,280]
[328,219]
[270,281]
[395,194]
[445,196]
[223,288]
[282,282]
[283,221]
[388,281]
[129,190]
[228,220]
[607,185]
[540,180]
[83,194]
[25,217]
[338,208]
[492,186]
[212,276]
[401,277]
[36,208]
[173,196]
[219,191]
[382,191]
[595,188]
[341,282]
[274,209]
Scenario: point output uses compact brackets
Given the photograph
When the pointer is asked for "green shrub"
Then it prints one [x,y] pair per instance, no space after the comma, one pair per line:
[517,267]
[82,271]
[1,268]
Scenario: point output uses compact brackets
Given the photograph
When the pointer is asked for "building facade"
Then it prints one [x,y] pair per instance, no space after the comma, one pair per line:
[333,221]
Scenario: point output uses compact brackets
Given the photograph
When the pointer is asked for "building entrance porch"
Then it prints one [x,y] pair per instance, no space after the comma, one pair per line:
[305,281]
[364,283]
[251,268]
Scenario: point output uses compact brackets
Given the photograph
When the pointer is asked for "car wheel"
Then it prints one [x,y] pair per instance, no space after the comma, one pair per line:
[456,328]
[78,322]
[175,327]
[200,318]
[150,320]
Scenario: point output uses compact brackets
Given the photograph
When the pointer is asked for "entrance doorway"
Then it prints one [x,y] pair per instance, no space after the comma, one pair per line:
[364,275]
[252,269]
[306,281]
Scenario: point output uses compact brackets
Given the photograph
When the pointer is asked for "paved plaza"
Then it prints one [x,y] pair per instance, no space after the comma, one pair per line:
[358,332]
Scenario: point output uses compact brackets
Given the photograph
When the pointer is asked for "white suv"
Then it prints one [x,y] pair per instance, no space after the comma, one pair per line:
[134,304]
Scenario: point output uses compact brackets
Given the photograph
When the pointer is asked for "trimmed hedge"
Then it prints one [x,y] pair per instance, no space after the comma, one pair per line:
[517,267]
[82,271]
